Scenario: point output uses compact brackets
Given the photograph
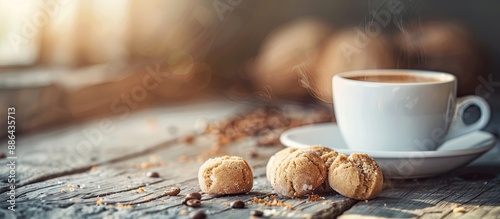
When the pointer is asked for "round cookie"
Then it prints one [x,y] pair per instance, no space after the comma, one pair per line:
[357,176]
[328,155]
[225,175]
[274,160]
[299,173]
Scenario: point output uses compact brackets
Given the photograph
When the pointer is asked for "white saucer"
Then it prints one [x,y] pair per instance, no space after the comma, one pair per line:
[452,154]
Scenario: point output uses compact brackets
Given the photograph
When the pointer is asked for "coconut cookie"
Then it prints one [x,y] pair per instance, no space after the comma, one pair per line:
[225,175]
[298,173]
[357,176]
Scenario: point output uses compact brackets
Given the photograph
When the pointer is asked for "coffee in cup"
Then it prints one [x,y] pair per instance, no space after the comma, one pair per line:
[393,78]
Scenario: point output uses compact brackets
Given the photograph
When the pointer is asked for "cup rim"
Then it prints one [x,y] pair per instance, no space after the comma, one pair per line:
[443,77]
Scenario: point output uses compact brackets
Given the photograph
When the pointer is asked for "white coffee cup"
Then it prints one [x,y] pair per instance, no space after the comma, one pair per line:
[409,115]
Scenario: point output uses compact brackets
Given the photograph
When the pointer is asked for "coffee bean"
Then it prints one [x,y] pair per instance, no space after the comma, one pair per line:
[237,204]
[173,191]
[153,174]
[257,213]
[253,154]
[2,155]
[193,195]
[193,203]
[198,215]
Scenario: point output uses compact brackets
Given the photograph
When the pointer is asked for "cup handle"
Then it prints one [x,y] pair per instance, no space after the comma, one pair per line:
[458,127]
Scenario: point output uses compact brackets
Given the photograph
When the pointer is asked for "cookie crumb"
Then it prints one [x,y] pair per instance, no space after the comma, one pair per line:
[315,197]
[459,210]
[183,212]
[271,201]
[99,201]
[145,165]
[153,162]
[140,189]
[122,206]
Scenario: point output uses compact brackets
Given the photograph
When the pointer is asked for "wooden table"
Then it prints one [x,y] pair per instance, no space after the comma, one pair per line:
[98,170]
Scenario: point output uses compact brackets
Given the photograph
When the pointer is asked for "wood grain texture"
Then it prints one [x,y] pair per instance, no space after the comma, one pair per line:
[76,148]
[117,183]
[433,198]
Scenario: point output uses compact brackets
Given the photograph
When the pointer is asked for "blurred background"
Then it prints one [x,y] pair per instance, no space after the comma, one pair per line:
[65,61]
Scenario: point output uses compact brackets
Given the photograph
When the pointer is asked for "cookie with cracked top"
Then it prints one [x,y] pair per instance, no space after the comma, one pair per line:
[299,173]
[357,176]
[225,175]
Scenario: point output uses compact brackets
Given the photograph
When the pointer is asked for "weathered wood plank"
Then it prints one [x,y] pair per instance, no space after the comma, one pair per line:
[76,148]
[433,198]
[118,183]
